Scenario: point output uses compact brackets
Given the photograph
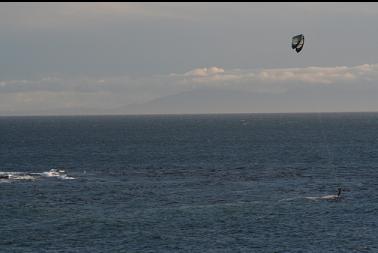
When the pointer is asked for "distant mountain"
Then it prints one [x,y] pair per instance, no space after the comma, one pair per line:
[56,111]
[229,101]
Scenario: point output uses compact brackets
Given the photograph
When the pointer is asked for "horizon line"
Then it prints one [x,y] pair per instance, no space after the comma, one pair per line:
[179,114]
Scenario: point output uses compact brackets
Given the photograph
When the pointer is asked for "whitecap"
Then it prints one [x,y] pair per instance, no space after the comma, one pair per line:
[61,174]
[9,176]
[28,176]
[21,177]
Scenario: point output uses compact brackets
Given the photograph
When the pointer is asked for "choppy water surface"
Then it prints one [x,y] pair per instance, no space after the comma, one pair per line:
[194,183]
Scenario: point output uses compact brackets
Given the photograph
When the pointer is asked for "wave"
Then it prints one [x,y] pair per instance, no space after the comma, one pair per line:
[6,177]
[61,174]
[16,176]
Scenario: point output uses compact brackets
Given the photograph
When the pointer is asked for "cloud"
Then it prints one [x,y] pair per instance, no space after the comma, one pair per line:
[336,8]
[201,72]
[57,15]
[309,75]
[281,79]
[105,91]
[75,15]
[199,77]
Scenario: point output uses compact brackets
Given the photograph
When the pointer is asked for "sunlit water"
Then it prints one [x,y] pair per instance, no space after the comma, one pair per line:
[204,183]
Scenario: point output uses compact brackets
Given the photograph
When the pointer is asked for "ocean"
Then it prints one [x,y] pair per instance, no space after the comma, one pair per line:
[189,183]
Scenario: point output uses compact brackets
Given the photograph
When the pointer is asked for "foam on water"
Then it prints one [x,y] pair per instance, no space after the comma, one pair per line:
[61,174]
[6,177]
[14,176]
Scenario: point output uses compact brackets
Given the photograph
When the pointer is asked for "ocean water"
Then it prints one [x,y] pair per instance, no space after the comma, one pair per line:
[189,183]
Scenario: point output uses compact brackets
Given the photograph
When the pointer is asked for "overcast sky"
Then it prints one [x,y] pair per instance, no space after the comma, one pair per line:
[75,57]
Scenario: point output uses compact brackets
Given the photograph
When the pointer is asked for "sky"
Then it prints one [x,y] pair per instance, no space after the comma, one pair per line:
[105,58]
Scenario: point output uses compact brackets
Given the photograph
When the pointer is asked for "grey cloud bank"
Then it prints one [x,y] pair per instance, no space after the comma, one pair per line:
[337,87]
